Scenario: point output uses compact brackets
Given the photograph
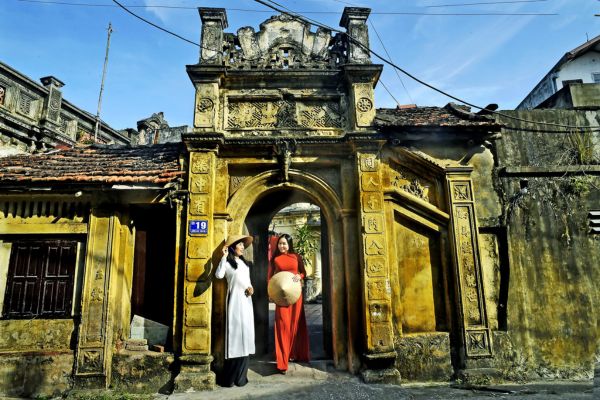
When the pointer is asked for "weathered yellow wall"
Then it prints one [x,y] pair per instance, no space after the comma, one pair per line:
[414,292]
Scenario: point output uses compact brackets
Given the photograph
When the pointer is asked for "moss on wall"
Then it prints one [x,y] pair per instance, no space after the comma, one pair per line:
[554,259]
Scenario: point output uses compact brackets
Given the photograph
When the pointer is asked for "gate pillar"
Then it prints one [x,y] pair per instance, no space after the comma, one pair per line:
[377,303]
[473,325]
[196,354]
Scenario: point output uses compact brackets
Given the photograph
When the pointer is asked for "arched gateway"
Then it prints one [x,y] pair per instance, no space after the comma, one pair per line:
[286,113]
[128,237]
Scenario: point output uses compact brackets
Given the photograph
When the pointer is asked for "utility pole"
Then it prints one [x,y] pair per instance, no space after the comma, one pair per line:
[97,126]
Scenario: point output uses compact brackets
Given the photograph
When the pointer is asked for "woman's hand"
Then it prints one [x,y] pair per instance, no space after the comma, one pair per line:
[225,250]
[249,291]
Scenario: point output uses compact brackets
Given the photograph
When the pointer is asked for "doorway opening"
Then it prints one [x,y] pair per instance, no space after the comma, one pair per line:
[153,275]
[294,213]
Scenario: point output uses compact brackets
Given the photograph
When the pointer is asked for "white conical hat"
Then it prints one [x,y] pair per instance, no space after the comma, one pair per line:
[283,290]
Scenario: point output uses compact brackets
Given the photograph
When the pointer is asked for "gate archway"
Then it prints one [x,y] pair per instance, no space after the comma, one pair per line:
[252,207]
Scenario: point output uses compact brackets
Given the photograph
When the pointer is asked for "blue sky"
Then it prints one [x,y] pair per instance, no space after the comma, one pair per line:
[483,59]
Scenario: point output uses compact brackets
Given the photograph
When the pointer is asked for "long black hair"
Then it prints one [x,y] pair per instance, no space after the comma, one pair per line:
[290,246]
[231,255]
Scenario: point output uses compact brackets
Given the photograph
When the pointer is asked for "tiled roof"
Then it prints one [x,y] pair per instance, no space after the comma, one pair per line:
[451,115]
[157,164]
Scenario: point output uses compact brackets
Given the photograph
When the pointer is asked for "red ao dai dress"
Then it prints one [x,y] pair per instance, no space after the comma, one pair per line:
[291,333]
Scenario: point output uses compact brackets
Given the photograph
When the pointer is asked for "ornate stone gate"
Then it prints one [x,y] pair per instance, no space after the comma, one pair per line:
[288,111]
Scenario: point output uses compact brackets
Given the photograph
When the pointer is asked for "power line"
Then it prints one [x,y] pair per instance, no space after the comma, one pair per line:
[486,3]
[65,3]
[156,26]
[389,92]
[282,9]
[395,70]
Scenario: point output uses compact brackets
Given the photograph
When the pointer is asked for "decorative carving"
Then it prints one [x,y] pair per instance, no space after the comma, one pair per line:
[284,150]
[283,114]
[200,184]
[235,182]
[368,164]
[466,259]
[92,361]
[416,189]
[370,182]
[97,295]
[478,343]
[64,124]
[283,42]
[376,266]
[372,202]
[2,95]
[364,104]
[373,223]
[461,192]
[99,275]
[205,105]
[25,103]
[320,115]
[374,245]
[200,163]
[377,289]
[199,205]
[54,102]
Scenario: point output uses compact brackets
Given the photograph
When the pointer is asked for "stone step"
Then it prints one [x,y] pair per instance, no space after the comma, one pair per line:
[136,342]
[134,347]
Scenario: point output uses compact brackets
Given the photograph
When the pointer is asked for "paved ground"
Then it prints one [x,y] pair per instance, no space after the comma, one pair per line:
[305,382]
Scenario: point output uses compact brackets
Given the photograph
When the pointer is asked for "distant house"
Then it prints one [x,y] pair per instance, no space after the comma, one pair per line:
[35,116]
[580,65]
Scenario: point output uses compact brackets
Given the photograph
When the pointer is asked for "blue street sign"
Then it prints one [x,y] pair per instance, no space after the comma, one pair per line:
[199,226]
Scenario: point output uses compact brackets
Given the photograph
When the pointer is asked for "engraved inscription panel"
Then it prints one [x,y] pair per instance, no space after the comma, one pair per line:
[372,202]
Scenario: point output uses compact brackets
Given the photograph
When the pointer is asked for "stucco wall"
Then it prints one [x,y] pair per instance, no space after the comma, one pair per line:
[554,260]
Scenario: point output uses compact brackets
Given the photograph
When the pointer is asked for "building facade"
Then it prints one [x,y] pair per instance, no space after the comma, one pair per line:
[452,246]
[35,117]
[580,65]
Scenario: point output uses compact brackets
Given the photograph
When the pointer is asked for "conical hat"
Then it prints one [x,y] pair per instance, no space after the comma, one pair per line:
[283,290]
[237,238]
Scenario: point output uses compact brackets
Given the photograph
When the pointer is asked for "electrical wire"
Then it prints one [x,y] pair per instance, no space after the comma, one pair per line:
[389,92]
[66,3]
[285,10]
[390,57]
[157,26]
[486,3]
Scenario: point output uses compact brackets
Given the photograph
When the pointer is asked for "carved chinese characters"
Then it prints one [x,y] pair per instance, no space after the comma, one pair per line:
[197,307]
[377,286]
[476,332]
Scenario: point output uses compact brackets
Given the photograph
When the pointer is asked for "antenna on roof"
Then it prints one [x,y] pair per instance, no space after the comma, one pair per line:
[97,126]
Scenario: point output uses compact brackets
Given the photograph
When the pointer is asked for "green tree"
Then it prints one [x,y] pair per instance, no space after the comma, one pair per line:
[306,241]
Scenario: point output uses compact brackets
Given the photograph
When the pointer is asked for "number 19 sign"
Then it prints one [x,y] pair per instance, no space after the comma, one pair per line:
[199,227]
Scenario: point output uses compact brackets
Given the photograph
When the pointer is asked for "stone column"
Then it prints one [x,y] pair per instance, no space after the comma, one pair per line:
[214,21]
[466,260]
[196,354]
[94,344]
[380,355]
[354,19]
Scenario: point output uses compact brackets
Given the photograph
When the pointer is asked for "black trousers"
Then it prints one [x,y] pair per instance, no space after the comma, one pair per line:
[235,372]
